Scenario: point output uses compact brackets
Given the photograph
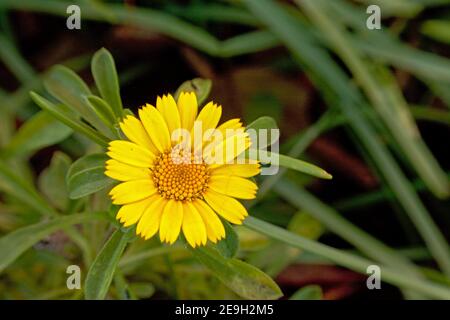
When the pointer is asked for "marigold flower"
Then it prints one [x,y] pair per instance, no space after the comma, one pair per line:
[173,182]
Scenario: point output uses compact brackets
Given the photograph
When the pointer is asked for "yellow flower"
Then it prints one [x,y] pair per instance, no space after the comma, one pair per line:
[175,182]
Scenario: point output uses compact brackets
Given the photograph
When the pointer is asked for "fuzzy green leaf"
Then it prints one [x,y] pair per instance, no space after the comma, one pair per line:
[105,75]
[263,123]
[243,278]
[102,270]
[290,163]
[102,109]
[86,176]
[70,89]
[69,118]
[229,246]
[311,292]
[201,88]
[52,181]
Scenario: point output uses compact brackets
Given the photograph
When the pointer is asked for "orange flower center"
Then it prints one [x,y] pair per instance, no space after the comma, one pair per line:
[180,175]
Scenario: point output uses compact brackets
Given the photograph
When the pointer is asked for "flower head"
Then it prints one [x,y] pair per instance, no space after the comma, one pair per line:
[180,171]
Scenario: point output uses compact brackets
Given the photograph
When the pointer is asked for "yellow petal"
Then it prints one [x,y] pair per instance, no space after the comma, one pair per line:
[227,150]
[229,208]
[234,124]
[130,213]
[169,111]
[233,186]
[134,130]
[123,172]
[208,119]
[130,153]
[132,191]
[193,226]
[218,138]
[149,223]
[214,227]
[224,131]
[240,170]
[171,221]
[188,108]
[210,115]
[156,127]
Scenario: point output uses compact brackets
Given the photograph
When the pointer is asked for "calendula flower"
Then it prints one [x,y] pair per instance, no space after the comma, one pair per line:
[175,177]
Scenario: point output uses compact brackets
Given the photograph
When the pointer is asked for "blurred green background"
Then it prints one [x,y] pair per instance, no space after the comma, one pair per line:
[372,107]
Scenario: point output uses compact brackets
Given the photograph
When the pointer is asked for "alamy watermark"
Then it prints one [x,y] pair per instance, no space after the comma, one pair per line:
[74,19]
[373,22]
[374,280]
[73,281]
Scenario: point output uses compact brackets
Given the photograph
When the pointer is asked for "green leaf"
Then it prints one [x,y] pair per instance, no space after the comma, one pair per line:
[101,272]
[229,246]
[70,89]
[290,163]
[142,290]
[397,8]
[52,181]
[69,118]
[128,112]
[437,29]
[86,176]
[41,131]
[304,224]
[250,42]
[263,104]
[102,109]
[14,61]
[105,75]
[311,292]
[263,123]
[303,166]
[243,278]
[122,287]
[283,161]
[7,125]
[201,88]
[21,189]
[15,243]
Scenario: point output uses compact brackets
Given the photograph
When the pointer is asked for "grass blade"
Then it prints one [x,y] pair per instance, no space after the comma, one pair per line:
[370,246]
[386,99]
[14,61]
[332,81]
[347,260]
